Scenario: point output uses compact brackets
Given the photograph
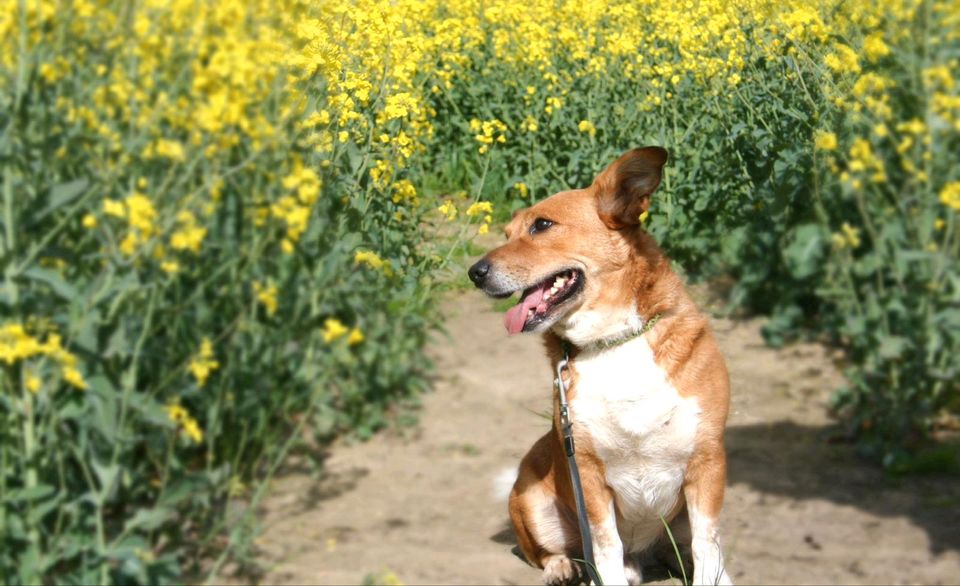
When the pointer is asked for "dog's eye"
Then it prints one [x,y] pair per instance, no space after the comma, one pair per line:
[539,225]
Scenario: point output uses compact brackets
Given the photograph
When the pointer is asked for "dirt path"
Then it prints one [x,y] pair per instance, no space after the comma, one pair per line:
[420,507]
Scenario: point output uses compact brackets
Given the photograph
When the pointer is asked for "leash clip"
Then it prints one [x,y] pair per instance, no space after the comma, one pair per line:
[566,425]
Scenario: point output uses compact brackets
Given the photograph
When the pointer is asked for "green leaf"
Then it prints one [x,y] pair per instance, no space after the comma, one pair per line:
[148,519]
[61,195]
[29,494]
[40,510]
[52,279]
[804,252]
[107,474]
[180,491]
[892,347]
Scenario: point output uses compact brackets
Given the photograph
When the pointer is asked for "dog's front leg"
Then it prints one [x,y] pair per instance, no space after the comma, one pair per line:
[607,547]
[703,491]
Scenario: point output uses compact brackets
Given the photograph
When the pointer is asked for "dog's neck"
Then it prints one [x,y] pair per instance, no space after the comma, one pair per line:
[588,327]
[632,327]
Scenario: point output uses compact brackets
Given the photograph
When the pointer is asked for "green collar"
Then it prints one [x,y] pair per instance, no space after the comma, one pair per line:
[613,342]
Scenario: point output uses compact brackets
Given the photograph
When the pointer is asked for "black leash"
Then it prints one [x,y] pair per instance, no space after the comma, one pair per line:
[570,449]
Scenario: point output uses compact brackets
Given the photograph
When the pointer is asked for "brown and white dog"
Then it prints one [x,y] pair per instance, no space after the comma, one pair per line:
[648,405]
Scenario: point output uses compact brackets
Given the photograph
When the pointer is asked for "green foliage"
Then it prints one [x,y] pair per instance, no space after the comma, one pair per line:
[198,364]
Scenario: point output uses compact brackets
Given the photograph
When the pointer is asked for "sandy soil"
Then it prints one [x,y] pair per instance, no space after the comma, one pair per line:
[419,506]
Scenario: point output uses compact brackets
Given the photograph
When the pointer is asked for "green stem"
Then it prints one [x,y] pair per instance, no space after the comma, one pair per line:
[97,493]
[30,480]
[131,378]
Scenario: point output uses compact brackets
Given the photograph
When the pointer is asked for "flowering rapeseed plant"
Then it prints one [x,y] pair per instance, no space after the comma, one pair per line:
[204,363]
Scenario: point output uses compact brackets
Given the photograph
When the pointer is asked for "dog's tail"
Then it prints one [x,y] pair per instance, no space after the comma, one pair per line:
[503,483]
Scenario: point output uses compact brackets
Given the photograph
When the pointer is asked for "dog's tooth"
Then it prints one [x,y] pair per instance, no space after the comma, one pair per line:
[549,293]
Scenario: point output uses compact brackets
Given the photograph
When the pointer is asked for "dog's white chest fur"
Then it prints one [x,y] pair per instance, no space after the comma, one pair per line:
[641,429]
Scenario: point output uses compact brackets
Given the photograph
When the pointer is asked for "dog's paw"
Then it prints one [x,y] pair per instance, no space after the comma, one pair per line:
[560,570]
[634,573]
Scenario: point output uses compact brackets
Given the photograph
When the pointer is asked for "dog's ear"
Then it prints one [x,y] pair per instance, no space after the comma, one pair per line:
[624,188]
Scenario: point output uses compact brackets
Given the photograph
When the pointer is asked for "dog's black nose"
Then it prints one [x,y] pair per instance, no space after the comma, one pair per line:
[478,272]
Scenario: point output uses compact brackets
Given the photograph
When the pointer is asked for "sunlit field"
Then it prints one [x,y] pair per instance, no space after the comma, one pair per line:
[225,225]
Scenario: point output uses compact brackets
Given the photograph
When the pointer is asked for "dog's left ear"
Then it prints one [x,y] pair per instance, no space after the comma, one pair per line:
[624,188]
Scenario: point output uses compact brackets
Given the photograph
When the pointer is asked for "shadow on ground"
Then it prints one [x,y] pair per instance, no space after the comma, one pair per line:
[797,461]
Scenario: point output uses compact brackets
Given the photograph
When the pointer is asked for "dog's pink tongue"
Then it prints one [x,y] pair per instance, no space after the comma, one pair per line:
[517,315]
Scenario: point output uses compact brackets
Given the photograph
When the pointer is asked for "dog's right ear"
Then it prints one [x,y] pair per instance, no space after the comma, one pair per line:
[624,188]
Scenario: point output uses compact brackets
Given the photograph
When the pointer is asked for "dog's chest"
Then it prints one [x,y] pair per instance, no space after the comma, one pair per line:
[642,430]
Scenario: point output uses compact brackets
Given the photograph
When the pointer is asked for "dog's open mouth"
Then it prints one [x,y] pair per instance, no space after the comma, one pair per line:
[538,302]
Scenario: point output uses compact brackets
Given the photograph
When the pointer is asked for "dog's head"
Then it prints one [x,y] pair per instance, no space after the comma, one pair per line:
[575,256]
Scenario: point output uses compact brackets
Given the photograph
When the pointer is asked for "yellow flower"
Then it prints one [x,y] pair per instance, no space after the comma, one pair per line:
[182,418]
[176,413]
[267,296]
[483,229]
[193,431]
[448,210]
[16,344]
[404,191]
[587,127]
[333,329]
[480,207]
[843,60]
[913,126]
[170,266]
[400,105]
[188,239]
[74,378]
[851,235]
[32,382]
[89,221]
[939,224]
[824,141]
[140,212]
[203,364]
[874,47]
[644,216]
[167,149]
[112,207]
[521,188]
[369,258]
[950,195]
[189,236]
[355,337]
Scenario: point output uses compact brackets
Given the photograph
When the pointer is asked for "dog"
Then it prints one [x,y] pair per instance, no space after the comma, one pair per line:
[648,386]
